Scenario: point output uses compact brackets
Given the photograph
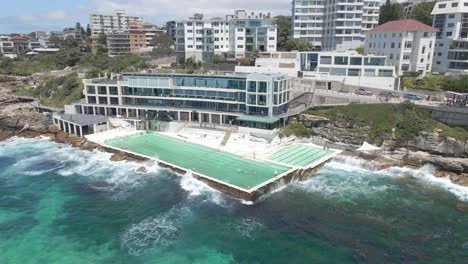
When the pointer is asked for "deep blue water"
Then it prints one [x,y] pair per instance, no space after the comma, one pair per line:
[63,205]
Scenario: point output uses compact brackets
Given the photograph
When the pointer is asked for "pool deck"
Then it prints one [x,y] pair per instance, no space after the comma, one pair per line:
[285,163]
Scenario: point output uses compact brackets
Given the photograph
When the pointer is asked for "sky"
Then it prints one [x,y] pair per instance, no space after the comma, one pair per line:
[43,15]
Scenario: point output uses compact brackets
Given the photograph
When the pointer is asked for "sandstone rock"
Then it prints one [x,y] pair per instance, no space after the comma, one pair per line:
[463,181]
[455,177]
[142,169]
[60,137]
[440,174]
[117,157]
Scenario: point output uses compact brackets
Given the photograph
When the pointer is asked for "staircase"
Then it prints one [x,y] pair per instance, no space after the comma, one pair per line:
[226,137]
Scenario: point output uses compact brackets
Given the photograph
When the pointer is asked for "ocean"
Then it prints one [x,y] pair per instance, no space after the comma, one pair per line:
[63,205]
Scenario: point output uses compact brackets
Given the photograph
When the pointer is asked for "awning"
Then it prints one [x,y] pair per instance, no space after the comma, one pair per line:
[258,119]
[368,147]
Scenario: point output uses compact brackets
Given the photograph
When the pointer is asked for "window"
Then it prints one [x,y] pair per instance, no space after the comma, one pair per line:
[392,45]
[90,89]
[423,50]
[408,44]
[262,87]
[325,60]
[356,61]
[426,34]
[341,60]
[448,34]
[113,90]
[252,87]
[454,4]
[391,56]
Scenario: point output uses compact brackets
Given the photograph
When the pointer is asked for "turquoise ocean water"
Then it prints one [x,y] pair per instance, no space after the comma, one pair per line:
[63,205]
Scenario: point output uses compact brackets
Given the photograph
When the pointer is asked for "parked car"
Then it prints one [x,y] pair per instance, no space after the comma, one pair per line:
[362,91]
[389,94]
[412,97]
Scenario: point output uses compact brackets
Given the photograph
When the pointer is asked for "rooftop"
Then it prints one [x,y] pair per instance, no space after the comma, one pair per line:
[402,25]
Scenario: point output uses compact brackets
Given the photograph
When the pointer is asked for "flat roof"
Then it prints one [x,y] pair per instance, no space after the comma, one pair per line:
[83,120]
[258,119]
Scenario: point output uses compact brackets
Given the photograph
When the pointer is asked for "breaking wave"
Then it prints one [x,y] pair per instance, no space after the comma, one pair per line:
[153,233]
[336,181]
[196,188]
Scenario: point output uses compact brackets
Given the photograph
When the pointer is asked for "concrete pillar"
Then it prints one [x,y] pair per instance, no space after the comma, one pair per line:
[81,131]
[69,128]
[105,111]
[137,113]
[82,110]
[209,118]
[178,115]
[127,113]
[190,117]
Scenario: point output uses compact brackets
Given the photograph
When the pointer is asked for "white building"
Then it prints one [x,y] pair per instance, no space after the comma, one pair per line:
[451,18]
[334,25]
[105,24]
[410,5]
[348,68]
[7,48]
[407,44]
[241,34]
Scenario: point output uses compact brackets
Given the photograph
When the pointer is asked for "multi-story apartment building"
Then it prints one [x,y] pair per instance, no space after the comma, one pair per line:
[195,98]
[241,34]
[347,68]
[7,47]
[334,25]
[458,55]
[410,5]
[118,43]
[106,24]
[451,18]
[407,44]
[171,29]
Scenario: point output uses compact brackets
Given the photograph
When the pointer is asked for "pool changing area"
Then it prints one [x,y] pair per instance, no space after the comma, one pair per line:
[238,176]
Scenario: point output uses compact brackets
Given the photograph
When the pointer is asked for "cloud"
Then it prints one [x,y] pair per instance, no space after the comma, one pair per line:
[180,9]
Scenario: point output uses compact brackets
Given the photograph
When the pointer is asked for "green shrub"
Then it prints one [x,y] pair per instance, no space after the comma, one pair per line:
[295,128]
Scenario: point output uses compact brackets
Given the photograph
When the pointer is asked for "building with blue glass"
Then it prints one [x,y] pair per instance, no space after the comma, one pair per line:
[256,100]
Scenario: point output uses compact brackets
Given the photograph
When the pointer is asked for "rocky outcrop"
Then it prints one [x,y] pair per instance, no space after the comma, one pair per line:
[436,143]
[343,133]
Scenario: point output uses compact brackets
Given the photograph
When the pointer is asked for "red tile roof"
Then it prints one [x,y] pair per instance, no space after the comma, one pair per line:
[402,25]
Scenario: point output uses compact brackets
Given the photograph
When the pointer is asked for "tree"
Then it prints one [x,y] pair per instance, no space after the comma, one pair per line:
[70,42]
[283,24]
[360,50]
[162,41]
[390,12]
[88,31]
[102,39]
[299,45]
[55,41]
[422,13]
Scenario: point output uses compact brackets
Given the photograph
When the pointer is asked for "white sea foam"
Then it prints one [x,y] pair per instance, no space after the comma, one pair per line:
[155,232]
[196,188]
[246,227]
[364,179]
[426,174]
[95,165]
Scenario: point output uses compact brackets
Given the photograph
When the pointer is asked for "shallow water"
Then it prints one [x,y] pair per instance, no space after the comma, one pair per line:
[62,205]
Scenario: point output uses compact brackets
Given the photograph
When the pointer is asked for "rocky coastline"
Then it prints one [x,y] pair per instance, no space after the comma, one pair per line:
[448,155]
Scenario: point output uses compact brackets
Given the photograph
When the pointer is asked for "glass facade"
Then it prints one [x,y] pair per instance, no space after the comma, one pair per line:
[262,95]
